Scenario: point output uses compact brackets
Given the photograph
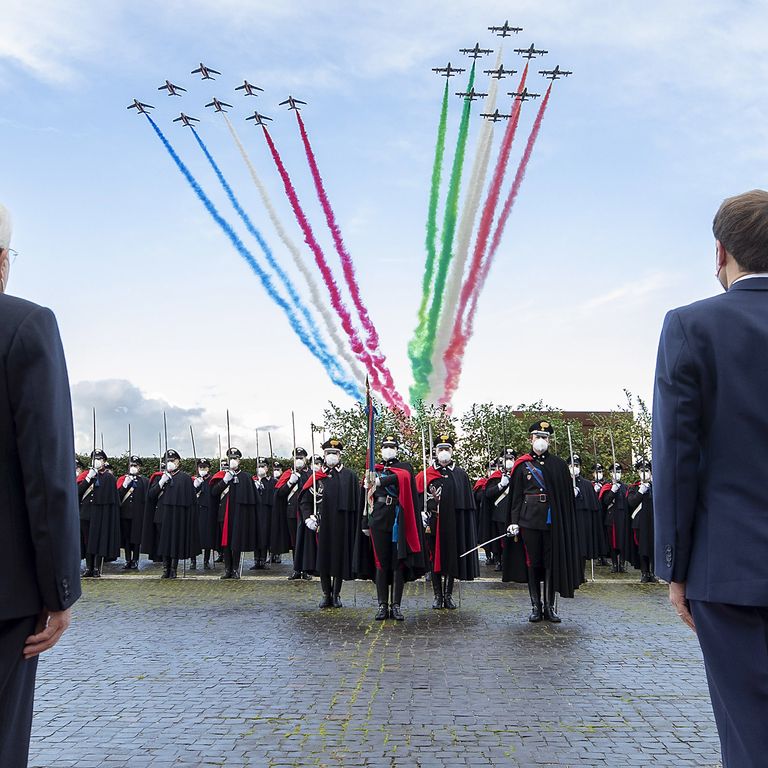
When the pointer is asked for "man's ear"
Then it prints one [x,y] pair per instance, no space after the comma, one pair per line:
[722,254]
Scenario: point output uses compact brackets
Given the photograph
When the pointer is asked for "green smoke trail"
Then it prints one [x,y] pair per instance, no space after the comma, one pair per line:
[434,197]
[424,342]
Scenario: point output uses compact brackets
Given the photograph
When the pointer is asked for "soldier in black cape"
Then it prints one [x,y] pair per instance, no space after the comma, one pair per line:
[99,515]
[285,513]
[497,500]
[305,552]
[543,513]
[484,511]
[598,481]
[276,473]
[450,523]
[613,498]
[389,547]
[265,486]
[234,495]
[171,497]
[640,502]
[338,503]
[132,490]
[589,522]
[207,515]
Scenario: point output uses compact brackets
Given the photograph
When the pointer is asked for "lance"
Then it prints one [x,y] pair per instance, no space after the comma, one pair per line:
[221,456]
[424,459]
[271,452]
[613,455]
[257,452]
[102,442]
[160,449]
[165,432]
[194,450]
[314,481]
[229,434]
[570,448]
[129,443]
[93,454]
[293,425]
[484,544]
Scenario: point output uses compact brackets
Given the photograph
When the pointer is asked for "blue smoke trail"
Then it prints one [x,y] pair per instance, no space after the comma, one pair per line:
[331,366]
[246,219]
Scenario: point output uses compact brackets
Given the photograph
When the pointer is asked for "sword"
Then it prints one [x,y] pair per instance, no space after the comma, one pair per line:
[314,481]
[484,544]
[570,447]
[613,454]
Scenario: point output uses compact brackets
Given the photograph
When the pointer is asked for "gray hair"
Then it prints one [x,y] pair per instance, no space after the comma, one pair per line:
[6,227]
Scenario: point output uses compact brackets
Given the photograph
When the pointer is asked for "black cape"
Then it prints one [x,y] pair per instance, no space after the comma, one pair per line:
[236,505]
[99,516]
[132,503]
[176,514]
[642,526]
[338,523]
[589,521]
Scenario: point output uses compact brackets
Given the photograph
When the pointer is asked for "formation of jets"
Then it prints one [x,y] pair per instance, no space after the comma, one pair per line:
[218,106]
[471,95]
[500,72]
[476,52]
[250,90]
[505,30]
[205,72]
[258,118]
[531,52]
[292,103]
[185,120]
[555,74]
[524,95]
[140,107]
[173,90]
[448,70]
[494,117]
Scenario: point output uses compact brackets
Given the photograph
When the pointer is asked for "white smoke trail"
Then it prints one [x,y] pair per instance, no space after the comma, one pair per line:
[463,237]
[293,249]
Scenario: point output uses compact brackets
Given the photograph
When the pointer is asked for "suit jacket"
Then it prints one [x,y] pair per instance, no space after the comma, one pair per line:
[710,446]
[39,524]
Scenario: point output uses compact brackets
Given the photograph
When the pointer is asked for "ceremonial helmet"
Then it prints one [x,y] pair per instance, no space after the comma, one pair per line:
[299,453]
[444,440]
[575,460]
[542,428]
[172,455]
[136,461]
[390,442]
[234,453]
[333,444]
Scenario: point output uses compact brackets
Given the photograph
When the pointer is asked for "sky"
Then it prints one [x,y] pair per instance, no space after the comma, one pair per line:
[665,115]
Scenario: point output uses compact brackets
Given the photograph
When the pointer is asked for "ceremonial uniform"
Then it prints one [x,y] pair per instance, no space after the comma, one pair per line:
[132,490]
[208,529]
[285,513]
[390,532]
[233,492]
[264,486]
[498,500]
[543,511]
[483,516]
[99,517]
[589,522]
[617,521]
[640,503]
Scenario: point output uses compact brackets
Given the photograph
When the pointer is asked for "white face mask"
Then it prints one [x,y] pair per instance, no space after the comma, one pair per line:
[599,475]
[576,471]
[540,444]
[234,464]
[261,472]
[332,459]
[509,463]
[98,464]
[444,457]
[617,477]
[388,453]
[299,464]
[276,474]
[317,467]
[171,466]
[133,470]
[203,472]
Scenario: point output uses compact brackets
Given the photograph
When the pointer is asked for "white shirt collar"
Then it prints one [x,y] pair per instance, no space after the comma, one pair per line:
[747,277]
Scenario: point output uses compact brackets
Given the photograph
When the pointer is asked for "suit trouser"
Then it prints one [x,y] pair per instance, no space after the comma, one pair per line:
[734,641]
[17,692]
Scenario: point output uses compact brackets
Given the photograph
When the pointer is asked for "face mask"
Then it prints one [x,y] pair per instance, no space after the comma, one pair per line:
[133,470]
[599,475]
[203,472]
[332,459]
[317,467]
[299,464]
[388,453]
[617,476]
[261,472]
[234,463]
[98,464]
[576,471]
[171,466]
[277,474]
[509,463]
[444,457]
[540,445]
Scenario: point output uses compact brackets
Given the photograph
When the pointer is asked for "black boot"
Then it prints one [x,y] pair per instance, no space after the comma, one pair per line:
[295,576]
[236,558]
[382,594]
[88,573]
[166,568]
[534,590]
[397,595]
[396,613]
[382,613]
[174,567]
[325,583]
[227,564]
[448,598]
[193,564]
[337,582]
[614,563]
[437,586]
[277,559]
[549,599]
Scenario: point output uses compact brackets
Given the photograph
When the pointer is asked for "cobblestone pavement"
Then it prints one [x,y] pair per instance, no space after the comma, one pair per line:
[200,672]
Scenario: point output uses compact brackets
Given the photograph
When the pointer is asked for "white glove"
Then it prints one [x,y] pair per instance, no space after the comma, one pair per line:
[513,530]
[597,487]
[127,481]
[228,477]
[91,474]
[197,482]
[643,487]
[293,479]
[615,487]
[424,518]
[367,532]
[576,491]
[259,485]
[378,482]
[164,479]
[311,523]
[503,481]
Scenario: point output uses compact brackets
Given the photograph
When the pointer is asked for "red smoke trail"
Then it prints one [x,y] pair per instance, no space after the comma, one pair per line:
[454,356]
[347,266]
[336,300]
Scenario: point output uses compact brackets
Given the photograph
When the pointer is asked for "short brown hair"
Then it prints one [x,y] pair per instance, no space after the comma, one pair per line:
[741,225]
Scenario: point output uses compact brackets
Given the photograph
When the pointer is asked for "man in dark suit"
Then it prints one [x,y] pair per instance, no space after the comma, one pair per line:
[710,453]
[38,504]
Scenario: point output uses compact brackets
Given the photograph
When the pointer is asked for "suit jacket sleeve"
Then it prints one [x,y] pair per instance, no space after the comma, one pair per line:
[676,453]
[42,411]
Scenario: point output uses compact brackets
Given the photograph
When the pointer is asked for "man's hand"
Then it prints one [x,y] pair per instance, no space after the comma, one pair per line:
[228,475]
[513,530]
[367,532]
[424,518]
[165,478]
[678,600]
[312,523]
[576,491]
[197,482]
[615,488]
[503,481]
[294,478]
[127,482]
[91,474]
[50,627]
[643,488]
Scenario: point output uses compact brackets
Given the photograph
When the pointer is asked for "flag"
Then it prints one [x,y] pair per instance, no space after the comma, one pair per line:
[370,461]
